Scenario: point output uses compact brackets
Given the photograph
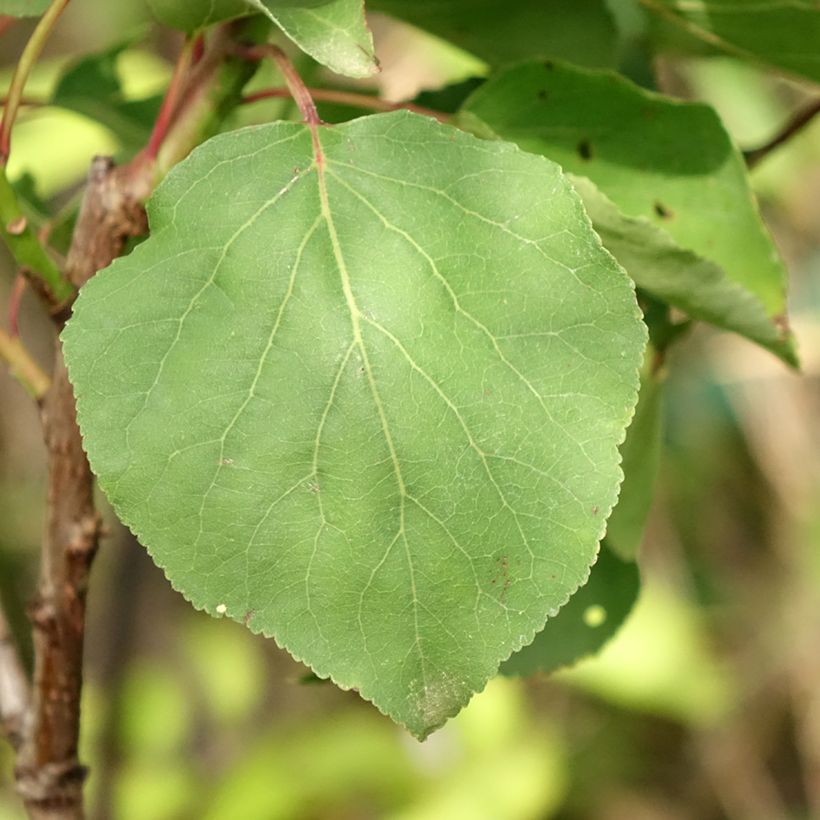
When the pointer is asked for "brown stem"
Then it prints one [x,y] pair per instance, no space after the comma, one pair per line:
[797,123]
[14,687]
[49,774]
[350,98]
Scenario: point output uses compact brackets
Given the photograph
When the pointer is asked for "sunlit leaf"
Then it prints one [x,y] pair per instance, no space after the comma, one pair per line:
[362,389]
[666,165]
[335,33]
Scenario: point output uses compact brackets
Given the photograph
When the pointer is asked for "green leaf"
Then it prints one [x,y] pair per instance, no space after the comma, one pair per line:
[335,33]
[590,619]
[783,34]
[664,164]
[501,32]
[681,278]
[640,455]
[92,87]
[362,389]
[23,8]
[190,15]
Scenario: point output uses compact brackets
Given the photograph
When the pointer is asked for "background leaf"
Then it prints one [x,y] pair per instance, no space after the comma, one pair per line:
[23,8]
[92,87]
[590,619]
[783,34]
[366,401]
[640,455]
[655,158]
[679,277]
[499,32]
[335,33]
[190,15]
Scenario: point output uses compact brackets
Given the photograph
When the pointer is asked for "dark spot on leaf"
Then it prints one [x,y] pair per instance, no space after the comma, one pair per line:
[549,65]
[248,615]
[542,94]
[662,211]
[585,149]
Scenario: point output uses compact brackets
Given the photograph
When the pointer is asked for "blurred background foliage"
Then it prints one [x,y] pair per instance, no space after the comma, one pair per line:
[705,705]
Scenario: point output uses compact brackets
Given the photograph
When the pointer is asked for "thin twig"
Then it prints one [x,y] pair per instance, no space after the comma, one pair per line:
[350,98]
[796,123]
[14,686]
[22,366]
[170,102]
[15,302]
[26,62]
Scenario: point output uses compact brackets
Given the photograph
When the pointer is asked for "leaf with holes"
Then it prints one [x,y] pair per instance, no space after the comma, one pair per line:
[782,33]
[363,389]
[23,8]
[668,168]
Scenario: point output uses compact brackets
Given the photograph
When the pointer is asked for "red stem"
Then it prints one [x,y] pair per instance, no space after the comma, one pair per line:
[169,107]
[15,300]
[347,98]
[297,88]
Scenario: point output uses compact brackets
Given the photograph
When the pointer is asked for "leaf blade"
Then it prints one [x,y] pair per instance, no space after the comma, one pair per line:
[334,33]
[362,467]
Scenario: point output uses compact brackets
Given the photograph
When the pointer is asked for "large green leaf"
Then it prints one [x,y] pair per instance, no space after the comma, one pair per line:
[590,619]
[365,394]
[782,33]
[23,8]
[500,32]
[668,163]
[335,33]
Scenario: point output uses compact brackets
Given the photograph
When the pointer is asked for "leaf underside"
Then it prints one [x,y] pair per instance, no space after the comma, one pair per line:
[334,33]
[362,389]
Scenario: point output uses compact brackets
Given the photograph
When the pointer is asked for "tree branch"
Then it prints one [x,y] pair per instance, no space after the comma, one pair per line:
[14,687]
[797,123]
